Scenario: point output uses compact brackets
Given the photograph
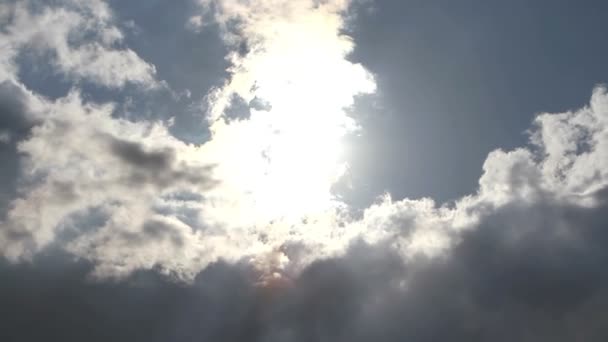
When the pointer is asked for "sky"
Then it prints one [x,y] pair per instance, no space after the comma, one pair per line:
[303,170]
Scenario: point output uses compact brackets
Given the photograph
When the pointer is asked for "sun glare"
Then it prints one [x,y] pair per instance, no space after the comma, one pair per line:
[301,162]
[286,158]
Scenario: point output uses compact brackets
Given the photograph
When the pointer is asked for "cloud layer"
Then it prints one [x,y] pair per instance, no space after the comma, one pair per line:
[525,272]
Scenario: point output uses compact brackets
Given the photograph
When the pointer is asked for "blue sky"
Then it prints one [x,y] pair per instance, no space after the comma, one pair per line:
[459,79]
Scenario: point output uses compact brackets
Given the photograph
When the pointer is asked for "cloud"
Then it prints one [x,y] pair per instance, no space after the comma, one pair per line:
[575,146]
[81,37]
[77,157]
[16,121]
[525,272]
[90,181]
[159,167]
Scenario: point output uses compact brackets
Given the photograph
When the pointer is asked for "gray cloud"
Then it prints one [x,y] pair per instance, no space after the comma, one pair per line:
[526,273]
[133,153]
[13,109]
[158,167]
[15,124]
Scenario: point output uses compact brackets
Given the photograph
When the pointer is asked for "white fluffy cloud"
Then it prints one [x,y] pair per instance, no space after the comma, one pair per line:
[79,158]
[80,37]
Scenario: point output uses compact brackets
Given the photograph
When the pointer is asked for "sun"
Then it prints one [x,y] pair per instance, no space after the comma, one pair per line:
[282,162]
[301,161]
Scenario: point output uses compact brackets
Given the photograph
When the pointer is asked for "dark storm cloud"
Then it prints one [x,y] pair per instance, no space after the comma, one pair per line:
[525,273]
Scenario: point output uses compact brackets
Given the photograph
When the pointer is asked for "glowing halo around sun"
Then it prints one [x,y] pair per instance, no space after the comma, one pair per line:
[282,161]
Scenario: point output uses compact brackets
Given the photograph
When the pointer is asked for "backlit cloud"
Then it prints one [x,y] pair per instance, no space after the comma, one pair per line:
[250,212]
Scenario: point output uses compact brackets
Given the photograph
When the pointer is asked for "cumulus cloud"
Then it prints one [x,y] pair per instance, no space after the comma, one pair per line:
[525,272]
[80,37]
[76,173]
[78,157]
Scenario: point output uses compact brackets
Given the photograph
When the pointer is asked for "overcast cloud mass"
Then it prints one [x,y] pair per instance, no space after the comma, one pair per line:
[137,204]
